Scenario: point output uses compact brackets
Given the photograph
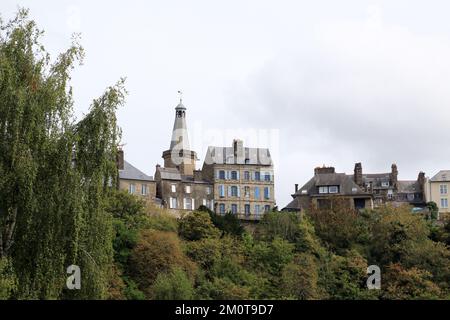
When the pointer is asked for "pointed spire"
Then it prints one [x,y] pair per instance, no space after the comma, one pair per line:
[180,138]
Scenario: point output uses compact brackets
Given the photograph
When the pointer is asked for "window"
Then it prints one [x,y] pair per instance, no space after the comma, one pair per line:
[390,194]
[208,190]
[144,190]
[234,209]
[172,203]
[234,175]
[267,176]
[304,191]
[222,208]
[246,175]
[444,203]
[221,191]
[204,202]
[385,184]
[333,189]
[266,193]
[247,191]
[234,191]
[257,192]
[247,209]
[257,176]
[188,189]
[188,203]
[132,188]
[323,189]
[174,188]
[257,209]
[266,208]
[222,174]
[410,196]
[443,189]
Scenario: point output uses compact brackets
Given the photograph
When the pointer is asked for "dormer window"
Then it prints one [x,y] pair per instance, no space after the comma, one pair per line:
[333,189]
[385,184]
[328,189]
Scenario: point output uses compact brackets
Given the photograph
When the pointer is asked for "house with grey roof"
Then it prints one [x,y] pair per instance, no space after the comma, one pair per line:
[135,181]
[387,188]
[243,180]
[364,190]
[326,185]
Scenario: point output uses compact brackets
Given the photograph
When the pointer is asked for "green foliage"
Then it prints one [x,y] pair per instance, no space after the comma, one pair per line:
[173,285]
[197,225]
[156,252]
[434,209]
[339,227]
[227,223]
[409,284]
[56,174]
[8,280]
[132,291]
[300,278]
[279,224]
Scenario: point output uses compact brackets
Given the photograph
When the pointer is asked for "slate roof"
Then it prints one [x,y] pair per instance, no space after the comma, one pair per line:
[408,186]
[346,184]
[225,155]
[375,179]
[443,175]
[293,205]
[130,172]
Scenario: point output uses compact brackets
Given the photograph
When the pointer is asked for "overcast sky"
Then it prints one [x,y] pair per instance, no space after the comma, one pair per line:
[318,82]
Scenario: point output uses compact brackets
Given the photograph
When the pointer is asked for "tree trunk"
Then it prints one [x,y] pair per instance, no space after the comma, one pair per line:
[6,235]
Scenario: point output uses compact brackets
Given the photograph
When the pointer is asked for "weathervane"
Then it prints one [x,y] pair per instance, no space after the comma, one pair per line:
[181,95]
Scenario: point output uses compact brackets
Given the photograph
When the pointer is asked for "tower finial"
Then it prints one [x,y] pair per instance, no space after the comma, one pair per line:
[180,93]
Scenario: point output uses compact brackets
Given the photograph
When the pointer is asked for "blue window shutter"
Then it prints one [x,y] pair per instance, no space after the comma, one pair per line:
[229,191]
[238,191]
[237,174]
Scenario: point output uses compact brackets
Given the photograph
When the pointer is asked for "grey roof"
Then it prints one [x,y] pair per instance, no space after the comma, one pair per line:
[443,175]
[225,155]
[408,186]
[346,184]
[170,174]
[293,205]
[130,172]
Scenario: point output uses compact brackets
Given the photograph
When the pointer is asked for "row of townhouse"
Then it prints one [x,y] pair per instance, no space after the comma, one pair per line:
[240,180]
[371,190]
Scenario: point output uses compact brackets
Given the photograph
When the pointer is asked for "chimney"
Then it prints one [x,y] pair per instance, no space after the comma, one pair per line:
[296,187]
[421,180]
[238,150]
[323,170]
[394,175]
[197,175]
[358,175]
[120,159]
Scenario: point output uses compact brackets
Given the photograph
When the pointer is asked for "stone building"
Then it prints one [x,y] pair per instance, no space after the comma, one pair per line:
[233,179]
[325,185]
[135,181]
[243,180]
[363,190]
[387,188]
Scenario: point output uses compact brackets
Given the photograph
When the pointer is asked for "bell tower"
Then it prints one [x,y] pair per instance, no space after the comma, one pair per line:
[179,154]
